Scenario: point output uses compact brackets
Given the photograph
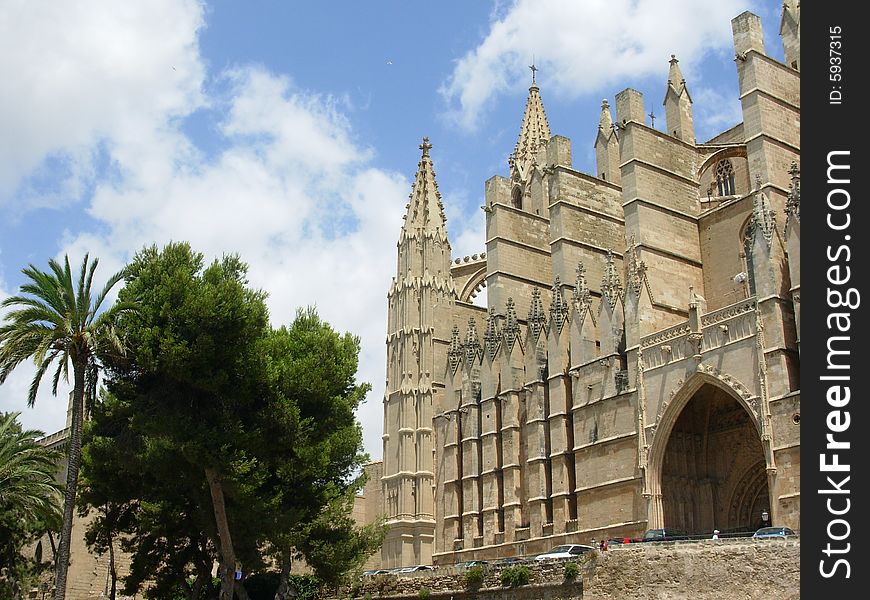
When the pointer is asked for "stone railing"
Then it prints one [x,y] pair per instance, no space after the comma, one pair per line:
[722,326]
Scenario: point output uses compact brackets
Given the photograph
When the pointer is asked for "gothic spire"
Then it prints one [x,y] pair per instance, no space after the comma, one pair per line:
[472,343]
[535,131]
[582,297]
[636,269]
[793,204]
[454,352]
[537,317]
[605,121]
[763,216]
[511,326]
[558,308]
[425,209]
[611,288]
[676,81]
[491,337]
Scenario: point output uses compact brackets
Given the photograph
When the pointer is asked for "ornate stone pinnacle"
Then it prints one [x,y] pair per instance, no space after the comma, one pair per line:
[537,317]
[511,329]
[611,288]
[582,297]
[636,270]
[472,342]
[558,308]
[454,353]
[793,203]
[491,337]
[763,217]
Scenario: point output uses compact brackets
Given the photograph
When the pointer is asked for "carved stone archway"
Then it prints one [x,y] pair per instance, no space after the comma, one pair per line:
[706,466]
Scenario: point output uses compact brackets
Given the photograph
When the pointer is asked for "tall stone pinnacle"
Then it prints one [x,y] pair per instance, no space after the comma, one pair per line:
[605,122]
[676,81]
[425,209]
[535,130]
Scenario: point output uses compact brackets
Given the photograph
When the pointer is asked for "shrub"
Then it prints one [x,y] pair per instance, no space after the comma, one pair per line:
[572,570]
[385,583]
[515,576]
[423,594]
[474,577]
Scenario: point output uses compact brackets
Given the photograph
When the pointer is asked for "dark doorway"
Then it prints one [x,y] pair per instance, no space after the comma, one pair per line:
[714,475]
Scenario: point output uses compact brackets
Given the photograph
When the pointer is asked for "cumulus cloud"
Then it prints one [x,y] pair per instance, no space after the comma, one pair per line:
[568,40]
[78,73]
[290,189]
[292,193]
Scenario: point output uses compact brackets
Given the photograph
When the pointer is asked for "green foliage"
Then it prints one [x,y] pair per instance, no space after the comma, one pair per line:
[515,576]
[210,387]
[384,584]
[572,570]
[29,503]
[423,593]
[474,577]
[55,321]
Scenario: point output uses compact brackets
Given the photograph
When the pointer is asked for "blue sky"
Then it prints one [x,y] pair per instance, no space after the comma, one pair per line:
[288,131]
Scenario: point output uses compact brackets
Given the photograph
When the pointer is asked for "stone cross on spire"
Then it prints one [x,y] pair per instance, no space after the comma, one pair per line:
[425,146]
[534,69]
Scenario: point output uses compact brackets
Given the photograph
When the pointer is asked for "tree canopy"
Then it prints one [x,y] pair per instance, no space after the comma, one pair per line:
[221,437]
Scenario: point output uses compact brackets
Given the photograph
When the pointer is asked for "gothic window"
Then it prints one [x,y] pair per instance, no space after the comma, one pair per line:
[725,178]
[747,254]
[517,197]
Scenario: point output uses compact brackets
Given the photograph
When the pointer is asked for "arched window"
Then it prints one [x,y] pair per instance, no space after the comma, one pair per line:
[517,197]
[725,178]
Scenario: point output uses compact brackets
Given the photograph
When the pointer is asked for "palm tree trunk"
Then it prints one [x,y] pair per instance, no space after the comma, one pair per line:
[74,459]
[228,555]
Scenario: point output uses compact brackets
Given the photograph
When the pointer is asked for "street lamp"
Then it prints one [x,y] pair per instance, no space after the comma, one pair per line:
[764,516]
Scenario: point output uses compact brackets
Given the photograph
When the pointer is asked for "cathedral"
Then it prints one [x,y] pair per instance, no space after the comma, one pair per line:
[637,364]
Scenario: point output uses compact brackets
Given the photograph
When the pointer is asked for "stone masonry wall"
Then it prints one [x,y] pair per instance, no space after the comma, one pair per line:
[701,570]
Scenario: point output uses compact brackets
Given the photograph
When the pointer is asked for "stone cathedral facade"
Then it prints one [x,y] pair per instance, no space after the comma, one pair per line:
[637,364]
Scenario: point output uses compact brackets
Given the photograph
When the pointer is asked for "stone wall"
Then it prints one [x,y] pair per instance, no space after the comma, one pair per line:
[700,570]
[706,570]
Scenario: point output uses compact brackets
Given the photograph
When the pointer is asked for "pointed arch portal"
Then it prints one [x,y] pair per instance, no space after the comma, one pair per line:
[710,469]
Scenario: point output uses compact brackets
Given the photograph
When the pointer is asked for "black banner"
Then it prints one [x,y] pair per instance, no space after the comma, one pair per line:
[834,257]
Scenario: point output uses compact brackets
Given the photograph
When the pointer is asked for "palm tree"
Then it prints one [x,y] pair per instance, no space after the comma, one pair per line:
[53,321]
[27,471]
[29,501]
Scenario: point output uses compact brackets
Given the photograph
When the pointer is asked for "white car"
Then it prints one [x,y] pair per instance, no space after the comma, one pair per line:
[566,551]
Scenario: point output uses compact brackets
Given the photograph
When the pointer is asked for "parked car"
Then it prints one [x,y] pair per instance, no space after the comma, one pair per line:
[565,551]
[622,540]
[473,563]
[773,532]
[665,534]
[510,560]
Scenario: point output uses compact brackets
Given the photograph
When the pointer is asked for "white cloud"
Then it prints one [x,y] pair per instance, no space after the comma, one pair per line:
[77,73]
[291,190]
[568,40]
[292,194]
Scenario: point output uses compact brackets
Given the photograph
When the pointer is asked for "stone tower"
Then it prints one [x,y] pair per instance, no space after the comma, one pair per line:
[419,295]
